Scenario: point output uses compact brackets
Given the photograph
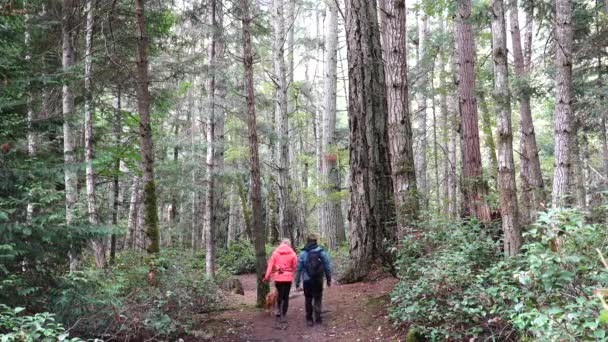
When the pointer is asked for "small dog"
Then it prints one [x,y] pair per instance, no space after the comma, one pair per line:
[271,301]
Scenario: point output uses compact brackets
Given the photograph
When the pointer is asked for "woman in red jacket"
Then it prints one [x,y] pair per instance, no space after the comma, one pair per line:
[282,267]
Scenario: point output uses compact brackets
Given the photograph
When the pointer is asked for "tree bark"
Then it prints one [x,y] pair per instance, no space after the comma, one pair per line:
[69,159]
[282,123]
[97,244]
[210,226]
[420,156]
[145,133]
[403,171]
[372,212]
[454,126]
[502,106]
[563,116]
[532,185]
[486,123]
[133,212]
[333,223]
[474,188]
[256,191]
[116,138]
[445,130]
[31,116]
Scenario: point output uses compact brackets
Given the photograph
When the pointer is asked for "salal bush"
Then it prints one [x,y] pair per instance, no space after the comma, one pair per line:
[15,326]
[455,282]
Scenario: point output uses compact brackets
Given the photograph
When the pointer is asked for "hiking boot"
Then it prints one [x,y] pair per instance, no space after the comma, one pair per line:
[310,323]
[283,319]
[319,321]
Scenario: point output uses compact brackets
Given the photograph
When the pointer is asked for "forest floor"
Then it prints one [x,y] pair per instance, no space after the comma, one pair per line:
[353,312]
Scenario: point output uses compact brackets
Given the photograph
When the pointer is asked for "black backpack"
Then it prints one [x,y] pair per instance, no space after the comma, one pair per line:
[314,264]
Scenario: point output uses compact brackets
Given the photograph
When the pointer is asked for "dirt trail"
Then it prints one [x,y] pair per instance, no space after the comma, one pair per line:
[354,312]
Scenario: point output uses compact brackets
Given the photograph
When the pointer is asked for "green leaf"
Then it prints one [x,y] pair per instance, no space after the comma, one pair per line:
[604,316]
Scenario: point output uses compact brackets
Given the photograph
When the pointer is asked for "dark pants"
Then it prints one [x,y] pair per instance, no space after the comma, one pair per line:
[283,288]
[313,293]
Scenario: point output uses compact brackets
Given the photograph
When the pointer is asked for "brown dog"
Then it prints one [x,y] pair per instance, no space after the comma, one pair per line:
[271,301]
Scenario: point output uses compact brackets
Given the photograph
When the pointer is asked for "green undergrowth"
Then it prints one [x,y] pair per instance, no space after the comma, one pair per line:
[456,284]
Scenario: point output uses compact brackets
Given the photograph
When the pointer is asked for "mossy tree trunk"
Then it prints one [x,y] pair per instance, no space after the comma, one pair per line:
[145,134]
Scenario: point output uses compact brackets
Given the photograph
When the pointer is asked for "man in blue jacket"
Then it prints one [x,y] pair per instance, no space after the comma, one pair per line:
[313,265]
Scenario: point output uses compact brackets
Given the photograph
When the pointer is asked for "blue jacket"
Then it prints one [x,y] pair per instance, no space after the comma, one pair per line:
[302,258]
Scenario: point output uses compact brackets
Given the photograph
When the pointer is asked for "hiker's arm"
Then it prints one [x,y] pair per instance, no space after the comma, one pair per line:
[299,268]
[327,265]
[269,267]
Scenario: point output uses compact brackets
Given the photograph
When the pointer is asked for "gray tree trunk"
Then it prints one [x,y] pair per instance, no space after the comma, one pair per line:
[502,106]
[282,123]
[256,191]
[372,212]
[333,223]
[403,171]
[563,116]
[532,185]
[215,55]
[421,115]
[98,245]
[70,171]
[145,133]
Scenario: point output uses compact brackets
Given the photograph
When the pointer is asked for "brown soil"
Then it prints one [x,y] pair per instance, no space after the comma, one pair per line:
[353,312]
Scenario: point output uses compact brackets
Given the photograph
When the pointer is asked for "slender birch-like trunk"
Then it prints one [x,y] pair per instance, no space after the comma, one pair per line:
[70,173]
[98,245]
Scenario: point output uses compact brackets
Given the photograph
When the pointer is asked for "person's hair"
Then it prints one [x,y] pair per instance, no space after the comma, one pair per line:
[286,241]
[312,238]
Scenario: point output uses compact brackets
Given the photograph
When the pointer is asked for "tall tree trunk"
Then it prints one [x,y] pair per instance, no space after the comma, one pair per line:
[372,211]
[488,138]
[528,33]
[31,117]
[116,138]
[235,218]
[133,212]
[70,172]
[502,106]
[577,178]
[474,188]
[215,52]
[99,248]
[445,131]
[256,191]
[420,157]
[282,124]
[145,133]
[403,171]
[532,192]
[333,223]
[563,116]
[454,127]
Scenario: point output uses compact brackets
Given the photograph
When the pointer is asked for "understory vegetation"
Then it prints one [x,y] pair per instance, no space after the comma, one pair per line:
[114,303]
[455,283]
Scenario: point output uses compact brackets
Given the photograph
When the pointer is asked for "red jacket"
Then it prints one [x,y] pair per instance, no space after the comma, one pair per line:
[282,264]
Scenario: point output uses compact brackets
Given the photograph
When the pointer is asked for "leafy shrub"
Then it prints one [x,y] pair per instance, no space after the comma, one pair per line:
[130,303]
[239,258]
[455,284]
[39,327]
